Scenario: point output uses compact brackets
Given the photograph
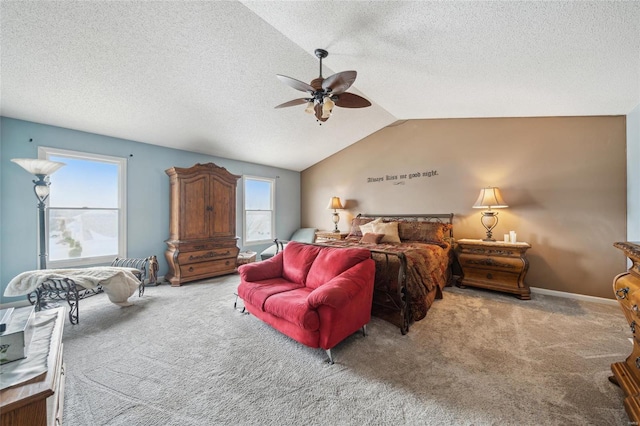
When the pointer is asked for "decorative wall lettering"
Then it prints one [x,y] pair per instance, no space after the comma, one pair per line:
[399,179]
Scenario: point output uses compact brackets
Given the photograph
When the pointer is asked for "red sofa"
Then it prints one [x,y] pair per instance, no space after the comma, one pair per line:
[315,295]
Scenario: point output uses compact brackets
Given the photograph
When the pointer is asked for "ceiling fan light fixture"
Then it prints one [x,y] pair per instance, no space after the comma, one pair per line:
[328,104]
[309,108]
[327,107]
[323,94]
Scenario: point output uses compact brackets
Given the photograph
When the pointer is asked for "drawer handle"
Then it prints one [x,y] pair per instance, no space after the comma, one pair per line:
[633,327]
[622,293]
[638,362]
[191,269]
[490,276]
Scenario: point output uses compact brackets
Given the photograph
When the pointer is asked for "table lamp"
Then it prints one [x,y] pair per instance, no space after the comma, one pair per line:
[489,198]
[334,203]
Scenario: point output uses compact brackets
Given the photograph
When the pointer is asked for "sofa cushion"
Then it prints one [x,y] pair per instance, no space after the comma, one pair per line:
[292,306]
[256,293]
[331,262]
[297,260]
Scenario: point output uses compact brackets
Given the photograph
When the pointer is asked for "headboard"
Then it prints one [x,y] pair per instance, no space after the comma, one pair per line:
[427,217]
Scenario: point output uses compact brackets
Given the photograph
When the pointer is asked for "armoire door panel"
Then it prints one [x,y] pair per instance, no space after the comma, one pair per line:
[223,213]
[193,197]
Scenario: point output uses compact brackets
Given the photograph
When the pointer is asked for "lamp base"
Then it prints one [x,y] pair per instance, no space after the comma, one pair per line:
[489,220]
[336,220]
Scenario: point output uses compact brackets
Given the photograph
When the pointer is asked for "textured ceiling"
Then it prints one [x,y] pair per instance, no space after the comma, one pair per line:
[200,76]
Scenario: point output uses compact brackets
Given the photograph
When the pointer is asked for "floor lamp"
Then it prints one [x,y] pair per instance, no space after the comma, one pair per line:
[42,169]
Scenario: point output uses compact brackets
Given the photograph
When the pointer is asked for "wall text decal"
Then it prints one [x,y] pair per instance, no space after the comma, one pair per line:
[399,179]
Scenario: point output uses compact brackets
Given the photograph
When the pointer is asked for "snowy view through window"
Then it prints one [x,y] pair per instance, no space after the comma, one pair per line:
[258,206]
[83,210]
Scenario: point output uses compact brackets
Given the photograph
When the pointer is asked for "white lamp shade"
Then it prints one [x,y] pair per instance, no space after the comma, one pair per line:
[334,203]
[38,167]
[490,198]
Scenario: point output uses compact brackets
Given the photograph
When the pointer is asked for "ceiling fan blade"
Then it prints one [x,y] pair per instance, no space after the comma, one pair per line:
[339,82]
[318,110]
[349,100]
[296,84]
[293,103]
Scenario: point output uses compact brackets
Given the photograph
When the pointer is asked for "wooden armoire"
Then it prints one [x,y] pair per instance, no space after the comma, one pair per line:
[202,223]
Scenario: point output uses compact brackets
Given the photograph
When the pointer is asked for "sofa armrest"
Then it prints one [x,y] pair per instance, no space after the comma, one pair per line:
[258,271]
[340,290]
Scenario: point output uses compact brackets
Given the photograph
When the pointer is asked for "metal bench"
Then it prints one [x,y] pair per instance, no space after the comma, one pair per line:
[53,290]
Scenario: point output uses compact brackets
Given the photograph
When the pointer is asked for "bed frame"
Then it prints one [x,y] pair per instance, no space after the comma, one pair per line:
[394,307]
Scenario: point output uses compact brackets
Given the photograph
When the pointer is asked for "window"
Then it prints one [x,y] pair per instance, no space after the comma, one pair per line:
[258,210]
[86,211]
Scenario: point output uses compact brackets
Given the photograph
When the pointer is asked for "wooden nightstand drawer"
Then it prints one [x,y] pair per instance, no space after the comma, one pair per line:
[506,264]
[330,235]
[494,266]
[488,275]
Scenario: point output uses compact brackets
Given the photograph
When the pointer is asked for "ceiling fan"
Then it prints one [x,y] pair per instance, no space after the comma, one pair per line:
[324,94]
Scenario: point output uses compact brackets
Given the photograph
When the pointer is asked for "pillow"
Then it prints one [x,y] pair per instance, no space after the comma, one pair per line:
[367,228]
[390,231]
[356,222]
[371,238]
[423,231]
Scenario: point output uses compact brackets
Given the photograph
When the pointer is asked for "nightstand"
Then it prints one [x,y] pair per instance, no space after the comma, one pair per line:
[494,265]
[330,235]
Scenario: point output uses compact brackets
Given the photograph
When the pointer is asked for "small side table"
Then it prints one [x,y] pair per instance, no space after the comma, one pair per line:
[330,235]
[246,257]
[494,265]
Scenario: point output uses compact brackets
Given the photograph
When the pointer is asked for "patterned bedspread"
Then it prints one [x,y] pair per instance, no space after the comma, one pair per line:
[426,270]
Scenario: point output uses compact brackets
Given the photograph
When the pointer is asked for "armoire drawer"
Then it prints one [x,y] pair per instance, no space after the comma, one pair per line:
[208,268]
[185,258]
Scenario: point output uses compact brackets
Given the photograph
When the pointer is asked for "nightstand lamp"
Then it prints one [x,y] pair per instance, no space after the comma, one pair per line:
[334,203]
[489,198]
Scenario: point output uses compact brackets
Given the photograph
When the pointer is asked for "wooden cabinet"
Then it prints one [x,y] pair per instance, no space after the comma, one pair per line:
[330,235]
[626,287]
[39,401]
[494,265]
[202,223]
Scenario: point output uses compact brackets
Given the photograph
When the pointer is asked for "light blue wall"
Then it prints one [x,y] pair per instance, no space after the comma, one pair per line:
[633,174]
[147,192]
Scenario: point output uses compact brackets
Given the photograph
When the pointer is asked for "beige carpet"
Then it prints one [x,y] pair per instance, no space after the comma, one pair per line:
[184,356]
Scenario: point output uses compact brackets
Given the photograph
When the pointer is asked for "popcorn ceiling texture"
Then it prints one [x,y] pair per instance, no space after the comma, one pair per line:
[200,76]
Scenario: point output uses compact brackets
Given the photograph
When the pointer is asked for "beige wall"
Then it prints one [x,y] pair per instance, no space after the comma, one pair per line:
[563,178]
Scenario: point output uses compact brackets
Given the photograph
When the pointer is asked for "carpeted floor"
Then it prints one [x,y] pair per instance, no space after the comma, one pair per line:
[184,356]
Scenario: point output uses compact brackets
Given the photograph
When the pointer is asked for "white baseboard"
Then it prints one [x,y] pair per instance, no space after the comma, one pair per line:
[582,297]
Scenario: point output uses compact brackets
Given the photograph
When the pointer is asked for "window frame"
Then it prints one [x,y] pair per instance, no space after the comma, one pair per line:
[45,153]
[272,183]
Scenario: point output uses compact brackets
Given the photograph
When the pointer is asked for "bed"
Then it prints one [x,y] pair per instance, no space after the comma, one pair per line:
[413,255]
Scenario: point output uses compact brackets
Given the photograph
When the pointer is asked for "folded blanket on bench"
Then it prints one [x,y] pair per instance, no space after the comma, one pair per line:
[119,283]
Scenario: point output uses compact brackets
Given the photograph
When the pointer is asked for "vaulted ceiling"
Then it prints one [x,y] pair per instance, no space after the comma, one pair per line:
[201,75]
